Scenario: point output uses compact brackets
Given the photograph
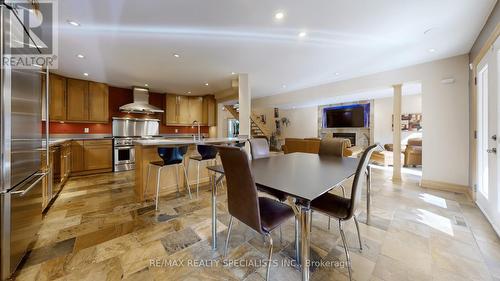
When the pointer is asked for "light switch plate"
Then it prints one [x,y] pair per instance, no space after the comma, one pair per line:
[86,130]
[176,131]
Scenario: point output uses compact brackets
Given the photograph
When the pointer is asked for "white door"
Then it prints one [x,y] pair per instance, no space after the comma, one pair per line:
[488,102]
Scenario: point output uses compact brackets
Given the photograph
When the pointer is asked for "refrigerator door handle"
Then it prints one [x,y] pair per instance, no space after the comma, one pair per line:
[25,191]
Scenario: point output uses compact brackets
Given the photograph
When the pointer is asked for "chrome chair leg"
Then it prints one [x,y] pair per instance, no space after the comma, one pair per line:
[329,222]
[157,187]
[187,180]
[281,235]
[177,179]
[311,220]
[344,241]
[359,234]
[198,179]
[343,190]
[228,234]
[270,255]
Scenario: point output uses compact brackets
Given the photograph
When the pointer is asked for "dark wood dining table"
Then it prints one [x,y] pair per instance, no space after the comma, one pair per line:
[303,177]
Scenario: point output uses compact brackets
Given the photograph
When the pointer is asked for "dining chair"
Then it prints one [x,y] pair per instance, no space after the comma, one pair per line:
[259,148]
[207,153]
[262,214]
[344,208]
[333,147]
[171,156]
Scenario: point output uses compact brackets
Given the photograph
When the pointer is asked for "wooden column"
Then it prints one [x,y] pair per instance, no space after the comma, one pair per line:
[396,137]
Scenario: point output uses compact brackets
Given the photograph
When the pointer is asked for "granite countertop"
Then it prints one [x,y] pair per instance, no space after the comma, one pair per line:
[177,141]
[62,139]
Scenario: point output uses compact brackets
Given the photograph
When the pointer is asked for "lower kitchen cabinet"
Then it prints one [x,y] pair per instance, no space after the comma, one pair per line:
[77,162]
[91,156]
[98,155]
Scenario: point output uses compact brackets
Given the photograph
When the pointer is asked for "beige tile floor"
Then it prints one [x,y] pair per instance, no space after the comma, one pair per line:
[96,231]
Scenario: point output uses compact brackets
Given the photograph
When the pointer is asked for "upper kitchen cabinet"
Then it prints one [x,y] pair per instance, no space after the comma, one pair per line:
[77,100]
[177,110]
[171,110]
[82,101]
[195,109]
[98,102]
[184,110]
[57,102]
[209,111]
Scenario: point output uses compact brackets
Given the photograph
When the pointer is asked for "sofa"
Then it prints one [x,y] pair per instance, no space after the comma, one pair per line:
[311,145]
[413,152]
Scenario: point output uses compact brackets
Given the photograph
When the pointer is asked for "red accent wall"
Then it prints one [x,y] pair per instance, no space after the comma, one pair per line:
[117,98]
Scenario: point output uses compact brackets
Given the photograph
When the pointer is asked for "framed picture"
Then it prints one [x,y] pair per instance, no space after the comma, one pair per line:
[410,122]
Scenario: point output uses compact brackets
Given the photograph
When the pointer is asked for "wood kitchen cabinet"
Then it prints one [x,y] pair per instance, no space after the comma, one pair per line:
[77,100]
[195,109]
[98,154]
[98,102]
[91,156]
[183,110]
[57,102]
[77,164]
[209,111]
[65,162]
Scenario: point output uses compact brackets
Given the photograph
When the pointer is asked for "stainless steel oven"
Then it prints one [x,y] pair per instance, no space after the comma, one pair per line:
[125,131]
[123,154]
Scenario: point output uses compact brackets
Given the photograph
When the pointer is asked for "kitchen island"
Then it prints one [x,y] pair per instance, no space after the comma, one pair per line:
[147,151]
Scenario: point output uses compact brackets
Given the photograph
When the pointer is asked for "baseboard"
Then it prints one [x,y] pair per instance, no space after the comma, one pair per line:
[445,186]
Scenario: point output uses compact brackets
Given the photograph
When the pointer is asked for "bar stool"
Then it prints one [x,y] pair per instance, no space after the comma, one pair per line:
[207,153]
[171,156]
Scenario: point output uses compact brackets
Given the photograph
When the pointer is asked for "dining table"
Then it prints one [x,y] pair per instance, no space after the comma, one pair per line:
[303,177]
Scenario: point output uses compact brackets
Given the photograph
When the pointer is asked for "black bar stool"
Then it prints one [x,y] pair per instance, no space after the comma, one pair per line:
[207,153]
[171,156]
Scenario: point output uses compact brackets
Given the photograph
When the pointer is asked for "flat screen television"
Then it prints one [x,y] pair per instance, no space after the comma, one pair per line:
[343,117]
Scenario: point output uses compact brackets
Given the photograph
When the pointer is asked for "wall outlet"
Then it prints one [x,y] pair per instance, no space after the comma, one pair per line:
[176,131]
[86,130]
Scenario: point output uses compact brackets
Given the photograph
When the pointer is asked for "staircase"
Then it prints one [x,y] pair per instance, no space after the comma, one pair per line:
[257,127]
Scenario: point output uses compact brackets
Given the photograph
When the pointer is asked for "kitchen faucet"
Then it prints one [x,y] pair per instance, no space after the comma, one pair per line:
[195,122]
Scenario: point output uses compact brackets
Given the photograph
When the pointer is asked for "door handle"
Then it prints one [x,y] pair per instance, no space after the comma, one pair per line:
[491,150]
[25,191]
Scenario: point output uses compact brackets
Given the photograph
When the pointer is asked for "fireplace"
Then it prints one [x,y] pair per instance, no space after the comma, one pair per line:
[350,136]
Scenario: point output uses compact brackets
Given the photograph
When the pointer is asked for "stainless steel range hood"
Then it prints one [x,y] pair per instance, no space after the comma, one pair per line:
[141,103]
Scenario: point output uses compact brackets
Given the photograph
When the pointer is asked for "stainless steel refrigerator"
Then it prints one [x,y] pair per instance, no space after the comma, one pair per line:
[21,149]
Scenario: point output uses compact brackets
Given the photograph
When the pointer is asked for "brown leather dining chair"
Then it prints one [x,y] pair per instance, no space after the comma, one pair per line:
[344,208]
[334,147]
[262,214]
[259,148]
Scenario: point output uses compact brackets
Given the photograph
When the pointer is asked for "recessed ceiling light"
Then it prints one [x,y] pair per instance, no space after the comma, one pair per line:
[206,84]
[189,92]
[85,74]
[283,86]
[233,73]
[146,85]
[80,56]
[279,15]
[177,55]
[337,74]
[432,50]
[73,23]
[302,34]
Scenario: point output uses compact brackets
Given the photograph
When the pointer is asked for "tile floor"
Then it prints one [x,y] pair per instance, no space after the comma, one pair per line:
[96,231]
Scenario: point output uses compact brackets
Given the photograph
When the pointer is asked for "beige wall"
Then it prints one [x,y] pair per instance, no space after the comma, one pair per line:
[382,118]
[303,121]
[445,109]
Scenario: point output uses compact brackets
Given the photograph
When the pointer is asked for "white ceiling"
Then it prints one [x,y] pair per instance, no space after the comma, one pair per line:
[129,43]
